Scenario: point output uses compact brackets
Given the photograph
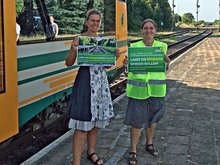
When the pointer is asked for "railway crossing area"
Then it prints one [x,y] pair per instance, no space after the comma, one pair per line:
[189,133]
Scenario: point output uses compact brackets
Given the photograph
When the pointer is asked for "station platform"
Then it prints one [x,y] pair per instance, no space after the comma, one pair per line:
[189,133]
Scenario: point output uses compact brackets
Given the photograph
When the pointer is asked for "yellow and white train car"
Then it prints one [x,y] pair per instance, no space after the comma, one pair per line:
[8,72]
[33,74]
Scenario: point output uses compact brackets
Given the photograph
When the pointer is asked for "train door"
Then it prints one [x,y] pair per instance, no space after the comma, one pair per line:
[8,71]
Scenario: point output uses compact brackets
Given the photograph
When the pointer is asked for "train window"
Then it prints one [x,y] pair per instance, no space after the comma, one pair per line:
[2,73]
[122,0]
[68,15]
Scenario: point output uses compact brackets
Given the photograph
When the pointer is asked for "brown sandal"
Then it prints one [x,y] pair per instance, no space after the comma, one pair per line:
[150,148]
[132,159]
[89,157]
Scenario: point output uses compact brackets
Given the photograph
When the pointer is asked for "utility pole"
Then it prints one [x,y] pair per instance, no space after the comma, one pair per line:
[173,16]
[197,14]
[219,18]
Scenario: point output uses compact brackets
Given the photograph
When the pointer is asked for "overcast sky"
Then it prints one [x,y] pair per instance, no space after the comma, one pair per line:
[208,11]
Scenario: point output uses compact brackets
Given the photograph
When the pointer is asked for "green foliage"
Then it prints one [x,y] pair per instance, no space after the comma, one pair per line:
[19,7]
[109,19]
[216,22]
[158,15]
[139,10]
[136,17]
[188,18]
[178,18]
[162,14]
[70,15]
[202,23]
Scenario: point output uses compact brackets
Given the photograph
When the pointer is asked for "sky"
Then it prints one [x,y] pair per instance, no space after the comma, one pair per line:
[208,11]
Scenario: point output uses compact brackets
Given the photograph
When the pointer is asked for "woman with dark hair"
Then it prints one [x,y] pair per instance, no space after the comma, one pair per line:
[90,104]
[146,92]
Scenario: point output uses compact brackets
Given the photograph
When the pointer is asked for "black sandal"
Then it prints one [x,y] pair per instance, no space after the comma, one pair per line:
[150,148]
[89,157]
[132,159]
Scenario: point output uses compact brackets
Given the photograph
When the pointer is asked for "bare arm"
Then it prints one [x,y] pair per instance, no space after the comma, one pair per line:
[167,59]
[17,37]
[57,29]
[71,56]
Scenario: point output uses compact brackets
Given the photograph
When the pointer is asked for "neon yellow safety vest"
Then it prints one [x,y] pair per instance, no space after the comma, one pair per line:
[150,84]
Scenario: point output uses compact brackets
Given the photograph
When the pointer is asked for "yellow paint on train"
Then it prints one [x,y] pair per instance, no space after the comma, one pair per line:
[53,85]
[121,21]
[9,97]
[121,30]
[60,76]
[62,81]
[67,43]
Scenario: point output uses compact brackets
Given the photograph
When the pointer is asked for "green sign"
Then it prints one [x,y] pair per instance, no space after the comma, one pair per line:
[146,59]
[96,51]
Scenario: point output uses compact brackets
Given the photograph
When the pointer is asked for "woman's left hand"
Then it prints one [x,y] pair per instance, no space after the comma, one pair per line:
[167,59]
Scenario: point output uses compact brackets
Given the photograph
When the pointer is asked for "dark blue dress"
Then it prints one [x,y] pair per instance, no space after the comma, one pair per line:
[80,101]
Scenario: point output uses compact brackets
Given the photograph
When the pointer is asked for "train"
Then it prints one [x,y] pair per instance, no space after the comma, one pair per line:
[33,74]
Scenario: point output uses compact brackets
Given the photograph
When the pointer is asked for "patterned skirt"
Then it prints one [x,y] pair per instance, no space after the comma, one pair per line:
[87,125]
[85,115]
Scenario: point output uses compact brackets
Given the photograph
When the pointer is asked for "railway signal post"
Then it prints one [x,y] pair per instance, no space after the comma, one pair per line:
[173,16]
[197,14]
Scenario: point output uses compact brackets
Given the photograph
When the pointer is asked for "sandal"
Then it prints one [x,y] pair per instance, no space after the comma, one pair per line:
[150,148]
[132,159]
[89,157]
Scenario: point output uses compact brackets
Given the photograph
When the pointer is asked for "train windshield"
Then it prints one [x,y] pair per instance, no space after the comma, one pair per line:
[2,72]
[61,19]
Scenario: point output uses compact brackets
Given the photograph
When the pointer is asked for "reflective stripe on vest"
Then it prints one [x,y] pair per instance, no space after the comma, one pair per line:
[157,81]
[137,83]
[144,84]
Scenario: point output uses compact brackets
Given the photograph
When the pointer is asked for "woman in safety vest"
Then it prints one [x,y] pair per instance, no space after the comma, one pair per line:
[146,92]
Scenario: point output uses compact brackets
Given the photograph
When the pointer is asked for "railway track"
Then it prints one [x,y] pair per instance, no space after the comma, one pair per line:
[177,48]
[179,34]
[29,142]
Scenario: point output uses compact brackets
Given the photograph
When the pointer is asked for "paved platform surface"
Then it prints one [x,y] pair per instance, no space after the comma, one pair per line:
[189,133]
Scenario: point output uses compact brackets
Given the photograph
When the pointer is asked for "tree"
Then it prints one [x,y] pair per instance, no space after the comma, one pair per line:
[109,16]
[159,10]
[70,15]
[158,16]
[188,18]
[136,17]
[162,13]
[19,7]
[216,22]
[202,23]
[178,18]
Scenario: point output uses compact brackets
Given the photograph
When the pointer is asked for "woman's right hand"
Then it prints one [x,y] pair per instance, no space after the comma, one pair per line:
[71,56]
[75,43]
